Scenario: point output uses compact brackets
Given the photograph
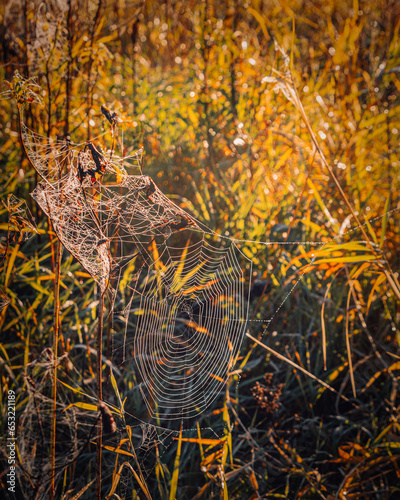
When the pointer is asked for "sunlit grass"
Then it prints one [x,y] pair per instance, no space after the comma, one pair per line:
[226,144]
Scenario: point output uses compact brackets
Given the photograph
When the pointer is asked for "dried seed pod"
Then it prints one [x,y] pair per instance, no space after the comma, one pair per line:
[108,422]
[98,158]
[111,116]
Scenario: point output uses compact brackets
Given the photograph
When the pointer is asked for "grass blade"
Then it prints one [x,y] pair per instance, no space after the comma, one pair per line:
[175,474]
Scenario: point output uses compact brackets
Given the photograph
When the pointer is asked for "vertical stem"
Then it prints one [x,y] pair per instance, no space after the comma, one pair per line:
[101,294]
[56,255]
[57,270]
[89,91]
[27,40]
[206,56]
[109,329]
[68,77]
[134,40]
[56,327]
[233,62]
[134,37]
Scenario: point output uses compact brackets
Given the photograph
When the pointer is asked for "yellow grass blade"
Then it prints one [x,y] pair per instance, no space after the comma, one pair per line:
[84,406]
[211,442]
[115,387]
[384,220]
[210,459]
[178,272]
[200,443]
[200,287]
[353,258]
[353,385]
[82,491]
[376,285]
[332,377]
[323,323]
[73,389]
[117,450]
[394,366]
[175,474]
[10,266]
[179,284]
[260,20]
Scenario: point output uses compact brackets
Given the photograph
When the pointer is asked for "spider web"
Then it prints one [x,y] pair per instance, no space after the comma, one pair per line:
[185,326]
[187,304]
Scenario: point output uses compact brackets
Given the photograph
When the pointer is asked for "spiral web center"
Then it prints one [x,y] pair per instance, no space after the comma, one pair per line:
[188,327]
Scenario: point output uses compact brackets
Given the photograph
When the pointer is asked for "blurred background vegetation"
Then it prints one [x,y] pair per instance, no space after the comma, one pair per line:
[223,142]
